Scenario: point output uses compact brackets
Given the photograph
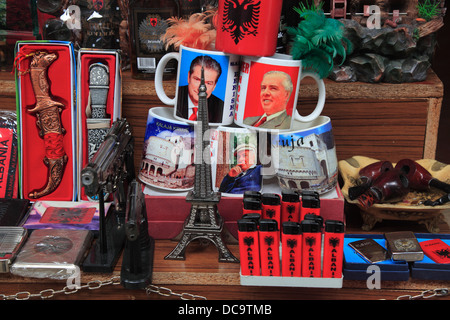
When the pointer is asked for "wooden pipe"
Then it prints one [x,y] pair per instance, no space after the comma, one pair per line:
[389,187]
[367,175]
[419,178]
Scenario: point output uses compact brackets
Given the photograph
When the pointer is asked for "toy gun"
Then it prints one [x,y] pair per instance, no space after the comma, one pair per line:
[137,263]
[106,173]
[112,164]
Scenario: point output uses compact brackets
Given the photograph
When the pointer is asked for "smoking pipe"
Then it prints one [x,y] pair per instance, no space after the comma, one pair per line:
[390,186]
[421,180]
[367,175]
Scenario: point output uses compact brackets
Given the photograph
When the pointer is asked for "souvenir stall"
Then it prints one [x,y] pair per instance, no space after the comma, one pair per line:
[222,150]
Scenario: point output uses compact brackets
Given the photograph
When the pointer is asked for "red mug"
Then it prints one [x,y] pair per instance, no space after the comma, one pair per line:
[248,27]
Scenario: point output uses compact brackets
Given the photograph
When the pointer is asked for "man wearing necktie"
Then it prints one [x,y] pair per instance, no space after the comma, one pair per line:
[276,89]
[187,101]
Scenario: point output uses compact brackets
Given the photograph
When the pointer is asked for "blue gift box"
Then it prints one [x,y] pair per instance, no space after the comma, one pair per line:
[357,268]
[427,269]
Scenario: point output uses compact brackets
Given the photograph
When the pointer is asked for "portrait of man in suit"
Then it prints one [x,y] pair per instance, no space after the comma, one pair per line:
[276,89]
[187,101]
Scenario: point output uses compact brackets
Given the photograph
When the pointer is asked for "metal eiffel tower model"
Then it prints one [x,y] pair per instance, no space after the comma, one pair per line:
[204,220]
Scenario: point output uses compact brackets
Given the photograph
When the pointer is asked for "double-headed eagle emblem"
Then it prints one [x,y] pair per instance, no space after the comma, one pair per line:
[241,19]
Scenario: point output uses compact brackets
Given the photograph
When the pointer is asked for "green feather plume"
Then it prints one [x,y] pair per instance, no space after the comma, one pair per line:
[318,40]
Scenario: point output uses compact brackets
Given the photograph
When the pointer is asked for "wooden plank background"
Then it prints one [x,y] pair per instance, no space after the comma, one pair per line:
[384,121]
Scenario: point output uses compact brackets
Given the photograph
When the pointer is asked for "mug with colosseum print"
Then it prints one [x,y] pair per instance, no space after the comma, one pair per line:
[168,152]
[305,158]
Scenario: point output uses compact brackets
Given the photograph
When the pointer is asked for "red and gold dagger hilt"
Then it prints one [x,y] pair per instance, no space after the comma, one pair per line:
[48,114]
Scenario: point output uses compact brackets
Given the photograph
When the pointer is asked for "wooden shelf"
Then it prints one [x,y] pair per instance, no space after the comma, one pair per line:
[201,274]
[384,121]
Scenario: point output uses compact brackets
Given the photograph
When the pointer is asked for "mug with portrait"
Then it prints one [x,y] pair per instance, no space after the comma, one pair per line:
[220,71]
[268,92]
[235,164]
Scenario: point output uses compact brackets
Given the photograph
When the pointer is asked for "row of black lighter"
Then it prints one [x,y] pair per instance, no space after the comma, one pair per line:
[297,253]
[290,206]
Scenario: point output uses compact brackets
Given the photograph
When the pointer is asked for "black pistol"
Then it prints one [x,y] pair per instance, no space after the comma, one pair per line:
[137,263]
[112,164]
[108,171]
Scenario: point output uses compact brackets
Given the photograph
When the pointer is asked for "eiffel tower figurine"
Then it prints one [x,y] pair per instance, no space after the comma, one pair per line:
[204,220]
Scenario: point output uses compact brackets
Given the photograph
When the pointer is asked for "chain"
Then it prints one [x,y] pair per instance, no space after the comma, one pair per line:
[93,285]
[166,292]
[427,294]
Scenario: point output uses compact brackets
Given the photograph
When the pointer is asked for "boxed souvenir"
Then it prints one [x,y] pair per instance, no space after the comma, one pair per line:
[167,210]
[298,249]
[9,152]
[64,215]
[13,211]
[436,262]
[52,254]
[45,102]
[11,241]
[99,94]
[364,250]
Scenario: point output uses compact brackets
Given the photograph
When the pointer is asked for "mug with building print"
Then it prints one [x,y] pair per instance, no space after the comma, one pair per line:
[305,158]
[168,152]
[268,89]
[235,163]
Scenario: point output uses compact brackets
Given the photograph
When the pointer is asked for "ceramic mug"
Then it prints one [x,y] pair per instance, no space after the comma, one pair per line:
[168,152]
[248,28]
[235,164]
[305,158]
[268,92]
[220,71]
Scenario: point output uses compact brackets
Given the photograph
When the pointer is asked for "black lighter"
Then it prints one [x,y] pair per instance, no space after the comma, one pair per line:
[251,205]
[310,204]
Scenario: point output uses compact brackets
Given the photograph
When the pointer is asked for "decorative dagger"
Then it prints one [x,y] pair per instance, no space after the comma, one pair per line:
[48,113]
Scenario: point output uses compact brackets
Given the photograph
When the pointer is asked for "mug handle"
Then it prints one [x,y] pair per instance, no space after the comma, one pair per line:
[159,88]
[321,100]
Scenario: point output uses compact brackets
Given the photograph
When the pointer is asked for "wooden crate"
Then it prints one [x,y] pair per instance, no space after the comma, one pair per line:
[384,121]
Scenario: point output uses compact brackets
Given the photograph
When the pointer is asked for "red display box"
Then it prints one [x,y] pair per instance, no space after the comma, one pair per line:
[86,57]
[167,211]
[33,172]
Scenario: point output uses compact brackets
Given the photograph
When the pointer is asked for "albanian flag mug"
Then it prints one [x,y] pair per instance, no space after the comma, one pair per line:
[248,27]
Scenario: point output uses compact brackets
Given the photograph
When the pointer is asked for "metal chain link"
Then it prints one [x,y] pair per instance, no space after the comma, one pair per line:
[427,294]
[166,292]
[93,285]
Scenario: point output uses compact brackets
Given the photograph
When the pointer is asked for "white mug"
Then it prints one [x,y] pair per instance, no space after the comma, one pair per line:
[268,92]
[221,71]
[305,156]
[168,155]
